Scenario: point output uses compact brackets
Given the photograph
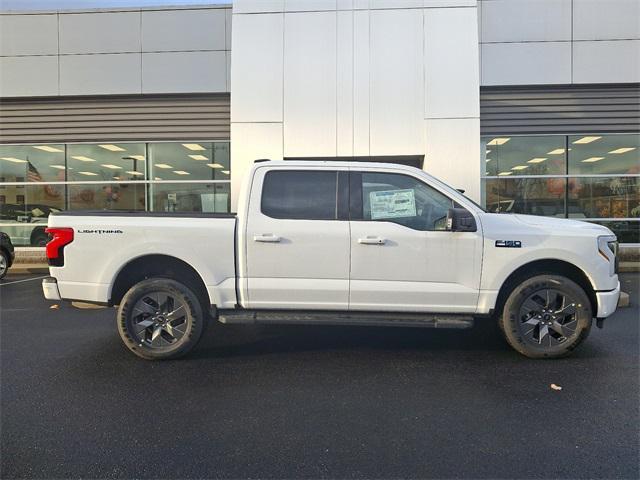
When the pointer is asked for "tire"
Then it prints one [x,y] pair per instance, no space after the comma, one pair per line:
[4,263]
[546,316]
[160,319]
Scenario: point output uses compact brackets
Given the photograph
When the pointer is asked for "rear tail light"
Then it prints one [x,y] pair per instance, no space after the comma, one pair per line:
[55,247]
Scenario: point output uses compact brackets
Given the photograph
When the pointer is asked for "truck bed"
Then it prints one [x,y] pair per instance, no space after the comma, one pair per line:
[105,242]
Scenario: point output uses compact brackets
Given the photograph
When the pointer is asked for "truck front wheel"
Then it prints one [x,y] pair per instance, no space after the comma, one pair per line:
[160,319]
[546,316]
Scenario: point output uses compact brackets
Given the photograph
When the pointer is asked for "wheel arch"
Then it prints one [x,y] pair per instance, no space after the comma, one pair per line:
[551,267]
[158,265]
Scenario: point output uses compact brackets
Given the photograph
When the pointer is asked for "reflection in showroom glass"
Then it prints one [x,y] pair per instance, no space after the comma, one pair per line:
[591,176]
[46,174]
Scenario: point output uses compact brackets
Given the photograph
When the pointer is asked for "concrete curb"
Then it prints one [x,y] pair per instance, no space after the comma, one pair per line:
[624,300]
[29,268]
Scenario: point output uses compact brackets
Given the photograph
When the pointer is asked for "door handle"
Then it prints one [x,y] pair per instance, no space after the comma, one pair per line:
[372,241]
[266,238]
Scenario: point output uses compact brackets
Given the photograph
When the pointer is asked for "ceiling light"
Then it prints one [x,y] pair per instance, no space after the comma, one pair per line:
[13,159]
[137,157]
[214,165]
[587,140]
[592,159]
[90,174]
[199,157]
[557,151]
[623,150]
[181,172]
[47,148]
[59,167]
[163,165]
[226,172]
[157,178]
[488,152]
[503,174]
[488,160]
[82,158]
[498,141]
[135,174]
[536,160]
[194,146]
[112,167]
[112,148]
[520,167]
[116,178]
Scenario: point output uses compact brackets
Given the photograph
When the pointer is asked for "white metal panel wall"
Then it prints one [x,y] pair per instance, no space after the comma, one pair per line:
[361,85]
[344,84]
[17,76]
[452,112]
[183,30]
[104,52]
[99,32]
[529,63]
[341,78]
[537,42]
[310,84]
[396,82]
[610,20]
[256,75]
[107,74]
[28,35]
[184,72]
[546,20]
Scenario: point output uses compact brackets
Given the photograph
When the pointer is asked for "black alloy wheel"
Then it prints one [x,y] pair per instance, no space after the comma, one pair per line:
[546,316]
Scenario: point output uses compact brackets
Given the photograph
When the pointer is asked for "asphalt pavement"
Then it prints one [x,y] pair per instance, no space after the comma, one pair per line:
[310,402]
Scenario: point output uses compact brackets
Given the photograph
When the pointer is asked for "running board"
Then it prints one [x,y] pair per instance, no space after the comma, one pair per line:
[432,320]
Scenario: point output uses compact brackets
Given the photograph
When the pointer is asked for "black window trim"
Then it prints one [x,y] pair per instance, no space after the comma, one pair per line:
[341,210]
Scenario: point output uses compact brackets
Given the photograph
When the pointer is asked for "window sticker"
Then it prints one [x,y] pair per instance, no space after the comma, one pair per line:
[392,204]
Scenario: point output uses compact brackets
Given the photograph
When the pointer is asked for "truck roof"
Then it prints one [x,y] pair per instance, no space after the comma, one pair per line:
[332,164]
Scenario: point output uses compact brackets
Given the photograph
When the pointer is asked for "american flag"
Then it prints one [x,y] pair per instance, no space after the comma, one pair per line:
[33,175]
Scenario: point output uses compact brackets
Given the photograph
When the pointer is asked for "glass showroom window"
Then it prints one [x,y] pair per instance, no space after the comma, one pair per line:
[586,177]
[36,180]
[102,163]
[25,202]
[190,177]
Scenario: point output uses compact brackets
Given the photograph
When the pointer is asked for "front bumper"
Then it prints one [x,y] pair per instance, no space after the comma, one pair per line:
[607,302]
[50,289]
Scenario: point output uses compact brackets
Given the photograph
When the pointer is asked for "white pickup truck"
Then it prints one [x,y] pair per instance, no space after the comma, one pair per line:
[337,243]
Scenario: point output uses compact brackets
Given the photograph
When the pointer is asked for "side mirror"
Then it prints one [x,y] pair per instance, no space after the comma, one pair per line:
[460,220]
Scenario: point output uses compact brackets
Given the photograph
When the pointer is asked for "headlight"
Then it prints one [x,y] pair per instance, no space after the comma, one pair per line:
[608,249]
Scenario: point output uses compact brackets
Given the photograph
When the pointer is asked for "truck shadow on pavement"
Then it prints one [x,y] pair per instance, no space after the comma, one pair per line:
[225,341]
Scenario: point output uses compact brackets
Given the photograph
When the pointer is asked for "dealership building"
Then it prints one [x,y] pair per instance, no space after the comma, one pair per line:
[530,106]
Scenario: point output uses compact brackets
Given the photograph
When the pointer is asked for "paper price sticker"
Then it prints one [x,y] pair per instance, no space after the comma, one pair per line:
[392,204]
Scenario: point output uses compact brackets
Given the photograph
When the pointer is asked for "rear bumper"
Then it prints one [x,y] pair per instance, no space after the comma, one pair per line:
[607,302]
[50,289]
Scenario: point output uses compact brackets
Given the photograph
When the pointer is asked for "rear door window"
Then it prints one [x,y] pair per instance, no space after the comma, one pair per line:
[300,195]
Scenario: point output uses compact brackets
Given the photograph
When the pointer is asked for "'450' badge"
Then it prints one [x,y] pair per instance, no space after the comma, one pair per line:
[509,243]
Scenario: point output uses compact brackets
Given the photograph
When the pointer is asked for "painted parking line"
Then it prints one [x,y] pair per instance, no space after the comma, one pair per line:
[21,281]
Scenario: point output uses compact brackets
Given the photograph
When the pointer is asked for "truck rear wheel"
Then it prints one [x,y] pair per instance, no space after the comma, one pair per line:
[160,319]
[546,316]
